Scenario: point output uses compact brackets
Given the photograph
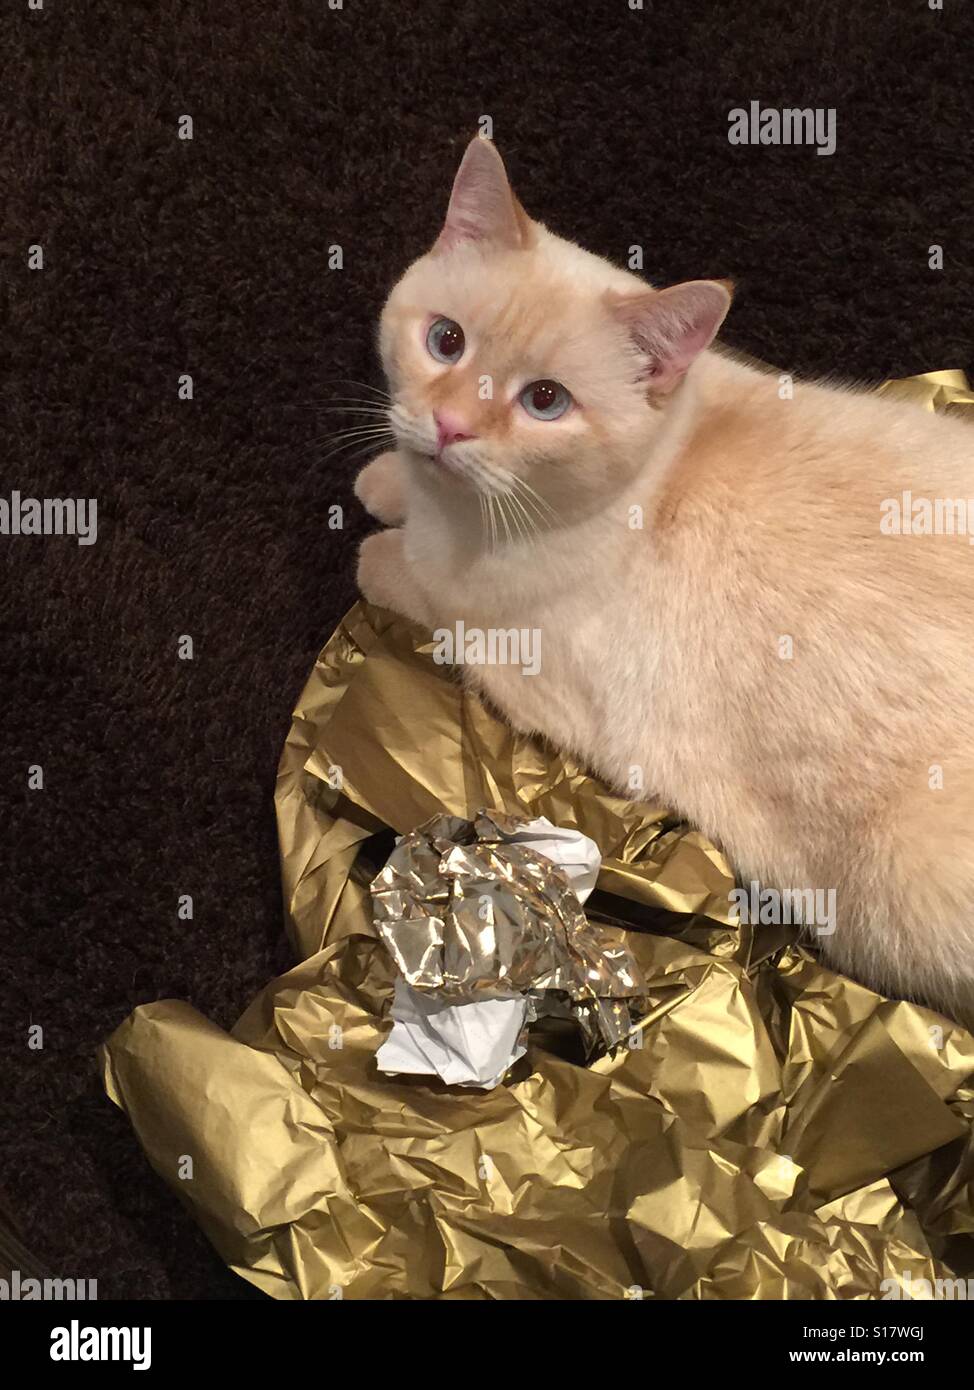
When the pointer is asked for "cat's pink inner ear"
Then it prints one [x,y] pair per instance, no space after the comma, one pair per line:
[671,327]
[482,206]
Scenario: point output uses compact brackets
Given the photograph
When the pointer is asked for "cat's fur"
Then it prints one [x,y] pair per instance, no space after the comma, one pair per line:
[661,647]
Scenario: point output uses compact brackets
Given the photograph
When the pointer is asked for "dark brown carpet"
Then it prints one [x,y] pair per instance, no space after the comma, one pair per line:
[315,126]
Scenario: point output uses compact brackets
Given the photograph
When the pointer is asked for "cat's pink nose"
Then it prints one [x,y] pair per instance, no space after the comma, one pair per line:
[450,429]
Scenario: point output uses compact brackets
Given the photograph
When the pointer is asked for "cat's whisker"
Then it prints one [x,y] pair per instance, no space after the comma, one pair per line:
[521,508]
[338,445]
[361,400]
[528,528]
[335,402]
[364,425]
[376,412]
[493,522]
[529,525]
[369,435]
[356,432]
[504,518]
[540,503]
[541,523]
[530,494]
[362,385]
[351,452]
[534,522]
[503,498]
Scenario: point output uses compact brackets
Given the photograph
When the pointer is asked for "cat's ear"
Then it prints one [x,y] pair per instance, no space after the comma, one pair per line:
[482,206]
[671,327]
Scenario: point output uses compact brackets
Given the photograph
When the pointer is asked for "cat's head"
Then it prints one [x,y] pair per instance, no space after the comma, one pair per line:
[512,354]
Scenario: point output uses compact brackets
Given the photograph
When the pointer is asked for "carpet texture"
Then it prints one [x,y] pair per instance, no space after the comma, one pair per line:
[315,127]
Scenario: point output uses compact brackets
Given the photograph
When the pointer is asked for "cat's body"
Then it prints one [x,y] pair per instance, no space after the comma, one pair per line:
[723,625]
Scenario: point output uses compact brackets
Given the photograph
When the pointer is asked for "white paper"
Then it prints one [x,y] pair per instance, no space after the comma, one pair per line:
[468,1044]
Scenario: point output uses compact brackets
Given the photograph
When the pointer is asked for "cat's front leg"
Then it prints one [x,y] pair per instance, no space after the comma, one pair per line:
[385,578]
[381,488]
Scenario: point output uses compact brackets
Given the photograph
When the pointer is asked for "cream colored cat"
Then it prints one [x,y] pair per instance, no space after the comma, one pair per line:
[672,529]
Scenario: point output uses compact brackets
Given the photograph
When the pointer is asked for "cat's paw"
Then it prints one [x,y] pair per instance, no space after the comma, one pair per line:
[382,575]
[386,579]
[381,488]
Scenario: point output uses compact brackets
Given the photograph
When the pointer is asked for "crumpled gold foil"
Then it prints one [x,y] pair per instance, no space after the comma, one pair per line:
[780,1131]
[945,391]
[428,905]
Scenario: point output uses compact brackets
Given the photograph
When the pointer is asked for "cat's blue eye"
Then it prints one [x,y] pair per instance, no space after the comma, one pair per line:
[445,341]
[545,400]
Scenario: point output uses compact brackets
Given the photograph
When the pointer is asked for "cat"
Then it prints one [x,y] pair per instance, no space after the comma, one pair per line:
[718,604]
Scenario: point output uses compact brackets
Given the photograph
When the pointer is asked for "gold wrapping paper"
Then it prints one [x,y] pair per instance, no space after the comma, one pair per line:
[781,1132]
